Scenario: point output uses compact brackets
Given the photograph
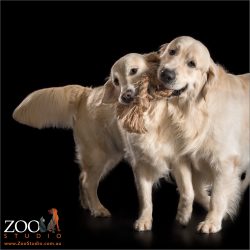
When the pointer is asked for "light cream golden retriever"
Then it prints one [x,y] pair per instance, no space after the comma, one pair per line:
[97,137]
[210,110]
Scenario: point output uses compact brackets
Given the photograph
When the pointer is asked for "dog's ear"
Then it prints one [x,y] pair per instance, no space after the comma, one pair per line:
[162,48]
[110,93]
[152,57]
[211,76]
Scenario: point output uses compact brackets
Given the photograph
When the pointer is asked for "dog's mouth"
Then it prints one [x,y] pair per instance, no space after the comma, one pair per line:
[178,92]
[163,91]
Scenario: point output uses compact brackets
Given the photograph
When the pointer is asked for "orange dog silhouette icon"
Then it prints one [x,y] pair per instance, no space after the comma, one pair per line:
[54,222]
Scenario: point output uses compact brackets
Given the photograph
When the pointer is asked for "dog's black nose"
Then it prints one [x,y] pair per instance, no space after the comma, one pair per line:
[128,96]
[167,75]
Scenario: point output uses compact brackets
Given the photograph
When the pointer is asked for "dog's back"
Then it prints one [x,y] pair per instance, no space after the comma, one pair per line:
[97,123]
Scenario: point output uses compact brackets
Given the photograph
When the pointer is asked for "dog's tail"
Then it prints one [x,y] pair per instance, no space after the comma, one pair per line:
[50,107]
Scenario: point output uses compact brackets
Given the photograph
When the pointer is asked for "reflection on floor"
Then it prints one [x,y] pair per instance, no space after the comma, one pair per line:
[85,231]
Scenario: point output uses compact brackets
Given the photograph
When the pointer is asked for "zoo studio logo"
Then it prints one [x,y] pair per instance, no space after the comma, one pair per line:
[35,227]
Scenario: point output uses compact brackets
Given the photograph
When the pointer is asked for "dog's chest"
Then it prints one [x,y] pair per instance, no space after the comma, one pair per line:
[154,148]
[150,149]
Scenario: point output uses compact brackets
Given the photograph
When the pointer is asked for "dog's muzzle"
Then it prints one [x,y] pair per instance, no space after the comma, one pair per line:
[167,76]
[168,80]
[128,96]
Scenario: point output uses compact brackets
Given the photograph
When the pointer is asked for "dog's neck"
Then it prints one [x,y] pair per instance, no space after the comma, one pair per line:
[157,111]
[191,121]
[193,116]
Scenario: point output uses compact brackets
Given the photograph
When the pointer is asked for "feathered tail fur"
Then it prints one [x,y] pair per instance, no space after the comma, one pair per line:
[50,107]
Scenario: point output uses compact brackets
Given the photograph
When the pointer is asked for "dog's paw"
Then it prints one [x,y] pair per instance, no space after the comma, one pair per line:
[101,212]
[183,217]
[209,226]
[184,212]
[143,224]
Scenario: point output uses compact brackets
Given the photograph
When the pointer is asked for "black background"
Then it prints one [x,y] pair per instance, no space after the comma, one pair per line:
[48,44]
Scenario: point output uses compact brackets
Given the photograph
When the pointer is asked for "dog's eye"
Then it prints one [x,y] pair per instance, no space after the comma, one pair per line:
[172,52]
[191,64]
[116,82]
[133,71]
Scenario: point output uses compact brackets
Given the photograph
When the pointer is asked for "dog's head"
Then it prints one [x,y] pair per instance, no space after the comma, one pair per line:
[128,88]
[122,85]
[186,67]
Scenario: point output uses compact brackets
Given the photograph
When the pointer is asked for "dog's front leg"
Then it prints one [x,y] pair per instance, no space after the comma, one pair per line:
[144,183]
[224,199]
[183,176]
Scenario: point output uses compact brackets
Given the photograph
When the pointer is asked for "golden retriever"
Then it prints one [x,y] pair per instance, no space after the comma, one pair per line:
[143,151]
[98,141]
[210,111]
